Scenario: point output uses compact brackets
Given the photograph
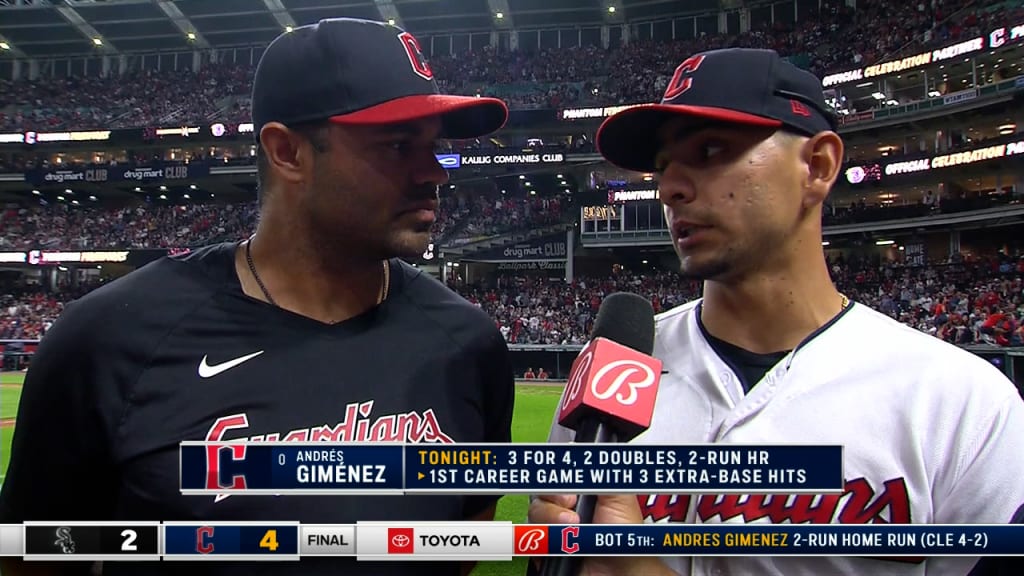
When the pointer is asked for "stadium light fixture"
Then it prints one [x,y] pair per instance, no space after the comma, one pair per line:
[288,28]
[884,242]
[36,192]
[452,186]
[93,198]
[75,202]
[878,96]
[522,177]
[825,242]
[611,9]
[97,41]
[648,178]
[499,15]
[163,196]
[391,21]
[192,186]
[60,198]
[560,176]
[191,35]
[163,188]
[137,189]
[5,46]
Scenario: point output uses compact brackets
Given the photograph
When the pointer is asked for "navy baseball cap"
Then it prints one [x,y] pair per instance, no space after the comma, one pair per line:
[353,71]
[734,85]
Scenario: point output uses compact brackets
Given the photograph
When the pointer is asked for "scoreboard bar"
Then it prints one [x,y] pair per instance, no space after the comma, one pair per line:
[231,541]
[92,541]
[12,540]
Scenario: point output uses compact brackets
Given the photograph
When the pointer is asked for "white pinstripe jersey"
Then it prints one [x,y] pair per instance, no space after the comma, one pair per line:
[932,434]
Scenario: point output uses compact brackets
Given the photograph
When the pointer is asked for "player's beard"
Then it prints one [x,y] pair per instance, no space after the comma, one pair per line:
[733,261]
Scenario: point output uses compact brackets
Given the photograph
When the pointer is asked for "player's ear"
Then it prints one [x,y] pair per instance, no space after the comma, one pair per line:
[285,154]
[822,156]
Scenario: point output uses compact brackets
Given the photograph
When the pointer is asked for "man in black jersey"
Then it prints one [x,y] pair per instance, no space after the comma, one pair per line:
[270,338]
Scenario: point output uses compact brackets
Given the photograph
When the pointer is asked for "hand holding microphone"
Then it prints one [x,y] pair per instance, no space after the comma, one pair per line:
[609,398]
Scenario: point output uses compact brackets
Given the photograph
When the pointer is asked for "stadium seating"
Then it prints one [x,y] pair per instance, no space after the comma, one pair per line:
[838,38]
[976,302]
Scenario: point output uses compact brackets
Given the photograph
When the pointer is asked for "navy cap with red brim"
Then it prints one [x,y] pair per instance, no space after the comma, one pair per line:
[462,117]
[632,138]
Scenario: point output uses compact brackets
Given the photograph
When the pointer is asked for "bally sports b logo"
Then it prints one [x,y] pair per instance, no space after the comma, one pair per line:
[419,63]
[610,379]
[681,81]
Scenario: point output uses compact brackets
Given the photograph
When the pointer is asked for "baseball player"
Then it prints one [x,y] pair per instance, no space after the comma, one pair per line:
[275,338]
[746,152]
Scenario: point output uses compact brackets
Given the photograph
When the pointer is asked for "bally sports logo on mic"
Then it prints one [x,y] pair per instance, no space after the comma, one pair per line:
[613,381]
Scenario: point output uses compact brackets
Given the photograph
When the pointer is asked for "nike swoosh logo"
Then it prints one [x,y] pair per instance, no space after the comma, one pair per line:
[208,371]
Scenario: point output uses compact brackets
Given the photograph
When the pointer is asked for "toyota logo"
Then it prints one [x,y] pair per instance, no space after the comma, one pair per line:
[400,540]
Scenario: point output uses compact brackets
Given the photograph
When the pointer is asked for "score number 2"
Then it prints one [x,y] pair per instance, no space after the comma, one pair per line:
[128,544]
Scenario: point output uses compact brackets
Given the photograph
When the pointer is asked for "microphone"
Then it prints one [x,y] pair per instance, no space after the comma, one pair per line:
[611,391]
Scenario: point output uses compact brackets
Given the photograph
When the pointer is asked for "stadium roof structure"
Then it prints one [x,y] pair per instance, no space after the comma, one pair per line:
[60,28]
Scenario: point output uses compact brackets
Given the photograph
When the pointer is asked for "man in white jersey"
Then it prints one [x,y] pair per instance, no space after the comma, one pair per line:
[746,152]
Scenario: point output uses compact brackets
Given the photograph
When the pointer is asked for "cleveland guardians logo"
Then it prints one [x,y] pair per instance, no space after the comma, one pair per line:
[570,534]
[204,535]
[680,81]
[419,63]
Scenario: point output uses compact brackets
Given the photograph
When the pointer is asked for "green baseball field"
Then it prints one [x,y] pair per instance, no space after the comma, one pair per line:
[535,406]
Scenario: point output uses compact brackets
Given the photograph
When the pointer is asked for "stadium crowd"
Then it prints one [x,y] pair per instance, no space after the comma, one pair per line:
[836,38]
[61,225]
[963,302]
[976,302]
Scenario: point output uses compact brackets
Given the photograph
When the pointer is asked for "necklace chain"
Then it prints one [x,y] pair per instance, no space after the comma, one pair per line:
[385,288]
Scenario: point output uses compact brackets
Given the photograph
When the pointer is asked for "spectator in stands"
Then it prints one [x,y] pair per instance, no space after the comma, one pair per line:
[529,375]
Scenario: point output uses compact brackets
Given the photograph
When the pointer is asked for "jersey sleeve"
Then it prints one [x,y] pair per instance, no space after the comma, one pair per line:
[981,484]
[498,379]
[60,466]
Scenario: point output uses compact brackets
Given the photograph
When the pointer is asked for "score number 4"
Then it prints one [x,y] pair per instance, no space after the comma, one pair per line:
[269,540]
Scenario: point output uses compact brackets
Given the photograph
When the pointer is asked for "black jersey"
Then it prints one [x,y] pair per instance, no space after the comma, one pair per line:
[176,351]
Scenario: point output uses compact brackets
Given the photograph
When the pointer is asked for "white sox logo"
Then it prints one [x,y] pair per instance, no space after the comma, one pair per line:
[627,368]
[568,531]
[531,540]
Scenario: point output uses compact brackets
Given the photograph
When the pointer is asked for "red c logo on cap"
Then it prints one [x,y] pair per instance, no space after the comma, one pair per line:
[678,84]
[419,63]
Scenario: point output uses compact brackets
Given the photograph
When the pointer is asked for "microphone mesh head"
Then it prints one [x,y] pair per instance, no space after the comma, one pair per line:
[627,319]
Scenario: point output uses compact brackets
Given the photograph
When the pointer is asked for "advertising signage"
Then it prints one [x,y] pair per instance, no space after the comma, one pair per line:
[591,113]
[623,196]
[550,247]
[524,158]
[874,172]
[134,258]
[997,38]
[119,173]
